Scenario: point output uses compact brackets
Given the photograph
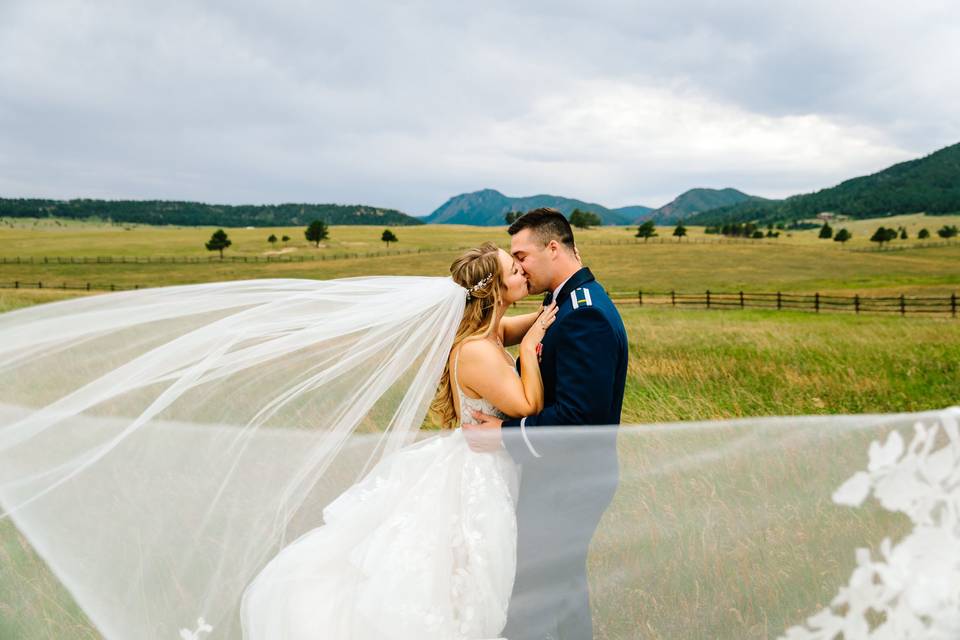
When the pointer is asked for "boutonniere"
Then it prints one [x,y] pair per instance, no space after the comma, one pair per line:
[539,352]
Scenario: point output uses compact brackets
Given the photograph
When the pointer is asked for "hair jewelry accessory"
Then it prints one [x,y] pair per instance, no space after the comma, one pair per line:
[480,285]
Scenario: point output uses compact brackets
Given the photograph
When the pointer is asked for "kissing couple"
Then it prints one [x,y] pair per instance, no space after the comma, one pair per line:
[483,531]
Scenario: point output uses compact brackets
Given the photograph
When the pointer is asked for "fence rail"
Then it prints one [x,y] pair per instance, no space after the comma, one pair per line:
[815,302]
[63,286]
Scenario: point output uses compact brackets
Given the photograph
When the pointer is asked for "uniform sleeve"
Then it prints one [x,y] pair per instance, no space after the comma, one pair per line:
[587,351]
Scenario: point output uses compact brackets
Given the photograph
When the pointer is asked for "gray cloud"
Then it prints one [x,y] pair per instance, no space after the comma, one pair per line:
[403,104]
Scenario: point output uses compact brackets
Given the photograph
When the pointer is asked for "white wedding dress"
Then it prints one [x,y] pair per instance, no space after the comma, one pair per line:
[424,547]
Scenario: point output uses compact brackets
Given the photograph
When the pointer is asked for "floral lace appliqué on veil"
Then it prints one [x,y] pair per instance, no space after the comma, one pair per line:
[913,589]
[196,634]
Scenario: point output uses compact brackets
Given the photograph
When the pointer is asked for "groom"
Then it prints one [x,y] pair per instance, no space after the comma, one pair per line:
[567,452]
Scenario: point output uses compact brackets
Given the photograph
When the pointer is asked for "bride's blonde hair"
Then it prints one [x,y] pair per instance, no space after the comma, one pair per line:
[480,273]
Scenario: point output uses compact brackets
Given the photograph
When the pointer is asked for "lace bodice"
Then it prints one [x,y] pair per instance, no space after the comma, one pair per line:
[467,404]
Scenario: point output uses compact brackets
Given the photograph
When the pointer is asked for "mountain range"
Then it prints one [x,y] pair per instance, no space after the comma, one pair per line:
[694,201]
[487,207]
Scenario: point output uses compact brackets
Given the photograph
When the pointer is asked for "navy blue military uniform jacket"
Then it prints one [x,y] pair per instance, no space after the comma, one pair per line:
[583,363]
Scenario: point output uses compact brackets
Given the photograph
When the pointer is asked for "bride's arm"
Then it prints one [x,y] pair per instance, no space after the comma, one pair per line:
[485,373]
[513,328]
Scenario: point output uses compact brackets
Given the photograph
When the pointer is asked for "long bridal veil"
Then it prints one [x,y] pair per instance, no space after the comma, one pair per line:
[158,447]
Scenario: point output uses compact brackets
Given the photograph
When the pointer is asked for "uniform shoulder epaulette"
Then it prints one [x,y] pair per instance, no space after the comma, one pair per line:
[581,298]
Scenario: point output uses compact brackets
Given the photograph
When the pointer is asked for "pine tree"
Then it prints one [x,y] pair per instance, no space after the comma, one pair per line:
[826,231]
[388,237]
[882,235]
[947,231]
[646,230]
[680,231]
[316,232]
[218,242]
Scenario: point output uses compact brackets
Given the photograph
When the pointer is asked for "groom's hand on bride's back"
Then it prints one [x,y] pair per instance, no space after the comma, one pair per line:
[483,436]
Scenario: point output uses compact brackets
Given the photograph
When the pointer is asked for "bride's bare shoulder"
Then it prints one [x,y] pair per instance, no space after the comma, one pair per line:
[479,352]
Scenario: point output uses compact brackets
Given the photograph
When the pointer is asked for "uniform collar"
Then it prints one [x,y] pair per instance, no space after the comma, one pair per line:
[575,281]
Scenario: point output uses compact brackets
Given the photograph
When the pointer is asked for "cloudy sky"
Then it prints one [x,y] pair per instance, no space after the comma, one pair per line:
[405,104]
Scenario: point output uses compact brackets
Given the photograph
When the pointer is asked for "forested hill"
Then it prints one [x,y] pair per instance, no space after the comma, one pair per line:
[930,184]
[488,206]
[200,214]
[695,200]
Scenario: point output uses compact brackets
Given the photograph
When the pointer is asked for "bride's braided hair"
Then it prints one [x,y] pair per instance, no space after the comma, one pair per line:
[479,272]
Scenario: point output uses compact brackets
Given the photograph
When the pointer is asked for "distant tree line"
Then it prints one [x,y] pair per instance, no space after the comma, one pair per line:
[160,212]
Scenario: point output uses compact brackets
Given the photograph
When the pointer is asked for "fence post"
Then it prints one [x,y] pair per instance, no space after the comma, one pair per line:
[111,287]
[779,301]
[673,297]
[856,303]
[88,286]
[16,284]
[640,297]
[708,298]
[903,305]
[39,285]
[816,302]
[953,304]
[741,299]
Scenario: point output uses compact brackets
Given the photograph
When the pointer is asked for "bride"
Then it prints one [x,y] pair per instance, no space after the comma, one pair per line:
[425,545]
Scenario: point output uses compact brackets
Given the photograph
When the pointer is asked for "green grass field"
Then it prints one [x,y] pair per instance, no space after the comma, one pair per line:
[798,263]
[685,365]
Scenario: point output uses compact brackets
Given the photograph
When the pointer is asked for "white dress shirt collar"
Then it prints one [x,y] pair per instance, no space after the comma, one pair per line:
[557,290]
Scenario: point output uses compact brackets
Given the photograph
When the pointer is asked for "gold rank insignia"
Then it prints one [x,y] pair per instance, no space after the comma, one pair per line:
[581,297]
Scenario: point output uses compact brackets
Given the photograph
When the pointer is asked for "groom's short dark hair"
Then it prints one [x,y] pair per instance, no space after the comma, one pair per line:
[547,224]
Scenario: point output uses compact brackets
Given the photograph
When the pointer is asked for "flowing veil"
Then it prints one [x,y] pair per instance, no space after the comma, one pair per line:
[158,447]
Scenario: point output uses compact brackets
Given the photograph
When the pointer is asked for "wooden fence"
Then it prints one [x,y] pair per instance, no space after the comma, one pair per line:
[815,302]
[63,286]
[778,300]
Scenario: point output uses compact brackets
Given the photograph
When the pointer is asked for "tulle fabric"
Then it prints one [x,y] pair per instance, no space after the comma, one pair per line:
[159,448]
[423,548]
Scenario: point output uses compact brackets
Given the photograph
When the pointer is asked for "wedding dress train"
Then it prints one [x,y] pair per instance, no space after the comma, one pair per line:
[423,547]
